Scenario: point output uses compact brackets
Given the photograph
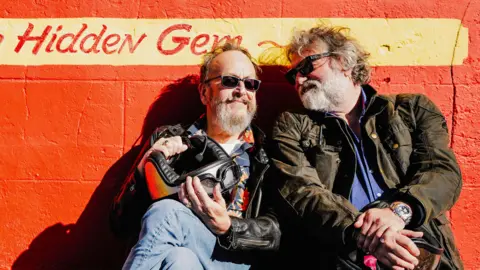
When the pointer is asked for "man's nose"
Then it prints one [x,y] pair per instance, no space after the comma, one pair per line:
[240,89]
[300,79]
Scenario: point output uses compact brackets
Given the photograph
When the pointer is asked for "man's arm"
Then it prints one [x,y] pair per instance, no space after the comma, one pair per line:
[261,233]
[134,196]
[433,178]
[324,214]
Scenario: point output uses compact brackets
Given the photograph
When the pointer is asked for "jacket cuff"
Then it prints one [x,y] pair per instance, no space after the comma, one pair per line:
[225,240]
[419,216]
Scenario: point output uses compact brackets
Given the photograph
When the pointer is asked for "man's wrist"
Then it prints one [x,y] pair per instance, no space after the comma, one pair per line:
[402,210]
[227,230]
[225,239]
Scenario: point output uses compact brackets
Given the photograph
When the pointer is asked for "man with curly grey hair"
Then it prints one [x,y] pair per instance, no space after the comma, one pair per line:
[367,178]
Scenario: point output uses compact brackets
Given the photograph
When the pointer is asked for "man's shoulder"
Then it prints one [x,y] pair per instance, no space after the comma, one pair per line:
[295,122]
[297,115]
[405,98]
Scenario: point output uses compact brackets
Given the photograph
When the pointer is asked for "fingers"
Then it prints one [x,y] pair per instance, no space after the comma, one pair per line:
[397,261]
[182,195]
[404,258]
[217,196]
[408,244]
[169,146]
[376,238]
[358,224]
[367,223]
[392,261]
[177,145]
[393,249]
[411,234]
[196,204]
[371,234]
[202,195]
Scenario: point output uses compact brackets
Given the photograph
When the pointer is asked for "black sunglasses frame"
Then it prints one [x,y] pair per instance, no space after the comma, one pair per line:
[305,66]
[255,82]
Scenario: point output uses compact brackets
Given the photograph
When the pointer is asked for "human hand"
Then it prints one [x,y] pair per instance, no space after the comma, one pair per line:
[397,251]
[168,146]
[213,212]
[373,224]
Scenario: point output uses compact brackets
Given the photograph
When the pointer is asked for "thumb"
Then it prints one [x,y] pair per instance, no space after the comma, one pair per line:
[183,148]
[217,196]
[359,222]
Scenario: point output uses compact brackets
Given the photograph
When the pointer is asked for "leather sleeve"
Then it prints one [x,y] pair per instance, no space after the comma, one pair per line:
[261,233]
[433,178]
[133,199]
[130,202]
[303,197]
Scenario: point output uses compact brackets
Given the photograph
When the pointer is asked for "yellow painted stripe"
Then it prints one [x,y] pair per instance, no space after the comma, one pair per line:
[99,41]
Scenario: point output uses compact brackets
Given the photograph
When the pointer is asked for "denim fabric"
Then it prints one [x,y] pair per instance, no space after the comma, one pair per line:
[173,237]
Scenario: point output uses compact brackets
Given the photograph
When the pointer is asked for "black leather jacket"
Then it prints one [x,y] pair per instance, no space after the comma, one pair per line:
[258,230]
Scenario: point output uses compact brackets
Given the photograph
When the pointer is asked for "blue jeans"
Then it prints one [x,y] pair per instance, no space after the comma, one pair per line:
[173,237]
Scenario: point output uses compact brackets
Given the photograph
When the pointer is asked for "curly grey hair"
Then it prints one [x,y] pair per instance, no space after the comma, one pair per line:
[345,49]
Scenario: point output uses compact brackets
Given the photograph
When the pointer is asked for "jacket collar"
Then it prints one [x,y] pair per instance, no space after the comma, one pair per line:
[253,138]
[375,102]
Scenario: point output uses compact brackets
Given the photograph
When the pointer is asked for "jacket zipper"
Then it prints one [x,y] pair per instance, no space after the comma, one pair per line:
[252,242]
[256,187]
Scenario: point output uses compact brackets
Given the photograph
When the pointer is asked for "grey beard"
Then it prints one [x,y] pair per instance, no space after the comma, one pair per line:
[324,96]
[233,123]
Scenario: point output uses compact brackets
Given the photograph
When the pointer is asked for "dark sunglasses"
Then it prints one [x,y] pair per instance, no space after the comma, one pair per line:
[305,66]
[232,82]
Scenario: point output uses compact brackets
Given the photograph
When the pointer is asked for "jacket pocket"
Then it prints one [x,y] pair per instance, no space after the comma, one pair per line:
[398,143]
[251,243]
[326,159]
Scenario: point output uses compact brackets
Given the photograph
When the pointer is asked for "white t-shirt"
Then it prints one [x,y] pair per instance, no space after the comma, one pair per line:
[231,147]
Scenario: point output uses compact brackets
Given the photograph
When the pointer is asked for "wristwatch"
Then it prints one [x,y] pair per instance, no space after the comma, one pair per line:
[403,210]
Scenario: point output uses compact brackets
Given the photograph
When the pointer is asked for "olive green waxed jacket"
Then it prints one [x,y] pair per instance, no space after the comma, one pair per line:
[406,141]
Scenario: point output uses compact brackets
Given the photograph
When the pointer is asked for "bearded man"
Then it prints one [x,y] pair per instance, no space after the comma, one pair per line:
[197,231]
[360,175]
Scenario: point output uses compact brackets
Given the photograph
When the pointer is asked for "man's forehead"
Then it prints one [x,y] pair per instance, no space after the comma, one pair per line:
[232,62]
[314,48]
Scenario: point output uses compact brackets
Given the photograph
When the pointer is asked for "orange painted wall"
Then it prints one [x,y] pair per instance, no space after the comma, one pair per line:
[66,131]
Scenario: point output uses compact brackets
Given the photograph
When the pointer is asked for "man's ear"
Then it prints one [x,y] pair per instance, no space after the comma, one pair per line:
[202,90]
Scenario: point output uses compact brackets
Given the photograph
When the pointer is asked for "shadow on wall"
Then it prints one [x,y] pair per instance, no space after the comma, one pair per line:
[89,243]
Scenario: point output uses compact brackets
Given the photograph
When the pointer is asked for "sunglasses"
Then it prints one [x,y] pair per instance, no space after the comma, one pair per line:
[305,66]
[232,82]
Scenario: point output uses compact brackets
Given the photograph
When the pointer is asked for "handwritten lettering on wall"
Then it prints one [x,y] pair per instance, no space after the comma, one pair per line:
[99,41]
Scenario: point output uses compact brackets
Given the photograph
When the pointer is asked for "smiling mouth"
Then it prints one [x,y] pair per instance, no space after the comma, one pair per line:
[304,90]
[307,86]
[237,101]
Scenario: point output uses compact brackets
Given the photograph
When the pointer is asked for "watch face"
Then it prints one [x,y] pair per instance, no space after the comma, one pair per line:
[402,209]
